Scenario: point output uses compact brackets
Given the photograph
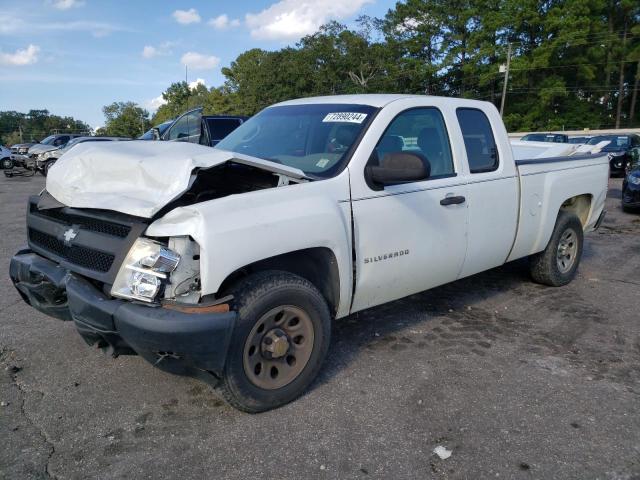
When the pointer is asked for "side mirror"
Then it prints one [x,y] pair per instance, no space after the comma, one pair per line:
[156,133]
[400,167]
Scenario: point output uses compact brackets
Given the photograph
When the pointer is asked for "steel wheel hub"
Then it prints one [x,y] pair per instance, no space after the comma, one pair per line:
[278,347]
[275,344]
[567,250]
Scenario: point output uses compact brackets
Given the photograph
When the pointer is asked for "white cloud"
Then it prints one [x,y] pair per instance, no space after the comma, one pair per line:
[292,19]
[199,61]
[196,82]
[155,103]
[185,17]
[222,22]
[149,51]
[66,4]
[25,56]
[11,25]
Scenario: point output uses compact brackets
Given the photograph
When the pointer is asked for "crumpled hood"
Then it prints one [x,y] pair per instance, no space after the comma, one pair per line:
[41,148]
[137,177]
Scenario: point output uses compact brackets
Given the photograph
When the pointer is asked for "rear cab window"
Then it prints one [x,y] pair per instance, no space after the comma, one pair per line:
[221,127]
[479,142]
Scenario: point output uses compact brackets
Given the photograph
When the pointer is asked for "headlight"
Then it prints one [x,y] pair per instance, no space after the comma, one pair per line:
[143,270]
[634,180]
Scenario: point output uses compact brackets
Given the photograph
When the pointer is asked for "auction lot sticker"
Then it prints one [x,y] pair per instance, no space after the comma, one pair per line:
[348,117]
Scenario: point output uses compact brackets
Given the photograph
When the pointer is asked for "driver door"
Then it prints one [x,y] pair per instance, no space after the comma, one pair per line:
[413,236]
[186,128]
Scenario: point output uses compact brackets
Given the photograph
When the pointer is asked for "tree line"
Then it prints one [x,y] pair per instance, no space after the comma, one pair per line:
[17,127]
[574,63]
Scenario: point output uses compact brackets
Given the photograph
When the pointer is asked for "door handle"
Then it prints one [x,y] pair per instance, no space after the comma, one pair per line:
[452,200]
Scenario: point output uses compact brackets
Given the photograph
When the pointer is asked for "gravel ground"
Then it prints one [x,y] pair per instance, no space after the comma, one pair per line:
[517,380]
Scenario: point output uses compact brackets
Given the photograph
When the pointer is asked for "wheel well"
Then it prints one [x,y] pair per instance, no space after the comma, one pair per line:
[317,265]
[580,206]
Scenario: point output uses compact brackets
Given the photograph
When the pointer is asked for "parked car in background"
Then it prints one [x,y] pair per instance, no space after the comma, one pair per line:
[193,127]
[623,150]
[149,134]
[546,137]
[581,140]
[21,148]
[5,158]
[52,142]
[19,152]
[44,161]
[631,190]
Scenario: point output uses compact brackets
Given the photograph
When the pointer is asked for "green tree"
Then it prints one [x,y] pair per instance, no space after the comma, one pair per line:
[124,119]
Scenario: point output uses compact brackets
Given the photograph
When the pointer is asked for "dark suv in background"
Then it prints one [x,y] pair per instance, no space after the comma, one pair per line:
[623,151]
[194,127]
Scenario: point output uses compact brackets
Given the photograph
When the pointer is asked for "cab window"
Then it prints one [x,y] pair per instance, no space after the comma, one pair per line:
[421,131]
[482,151]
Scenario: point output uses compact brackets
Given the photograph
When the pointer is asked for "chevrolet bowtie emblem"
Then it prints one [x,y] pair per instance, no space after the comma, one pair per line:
[69,235]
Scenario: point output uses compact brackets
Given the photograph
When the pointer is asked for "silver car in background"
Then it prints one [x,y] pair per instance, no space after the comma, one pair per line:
[44,160]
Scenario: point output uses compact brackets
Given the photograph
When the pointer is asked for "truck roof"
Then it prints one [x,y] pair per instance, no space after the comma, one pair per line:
[373,99]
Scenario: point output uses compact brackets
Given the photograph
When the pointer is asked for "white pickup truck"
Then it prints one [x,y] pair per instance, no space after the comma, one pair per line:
[230,263]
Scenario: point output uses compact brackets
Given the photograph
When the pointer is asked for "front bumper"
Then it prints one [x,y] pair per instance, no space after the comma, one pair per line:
[19,159]
[184,343]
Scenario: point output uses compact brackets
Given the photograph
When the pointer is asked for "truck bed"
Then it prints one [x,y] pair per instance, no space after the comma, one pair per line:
[545,183]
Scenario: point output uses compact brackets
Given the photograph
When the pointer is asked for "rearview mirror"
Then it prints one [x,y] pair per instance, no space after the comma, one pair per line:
[399,167]
[156,133]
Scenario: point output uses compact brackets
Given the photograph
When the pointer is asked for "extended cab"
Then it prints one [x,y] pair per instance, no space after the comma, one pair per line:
[230,263]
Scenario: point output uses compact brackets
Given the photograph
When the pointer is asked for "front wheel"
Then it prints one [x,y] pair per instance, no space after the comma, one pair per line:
[279,342]
[7,163]
[557,264]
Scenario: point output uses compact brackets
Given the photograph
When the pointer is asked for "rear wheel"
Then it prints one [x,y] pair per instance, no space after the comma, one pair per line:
[557,264]
[7,163]
[279,343]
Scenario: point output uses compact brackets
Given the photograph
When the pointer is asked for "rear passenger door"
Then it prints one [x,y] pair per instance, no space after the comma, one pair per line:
[492,191]
[412,236]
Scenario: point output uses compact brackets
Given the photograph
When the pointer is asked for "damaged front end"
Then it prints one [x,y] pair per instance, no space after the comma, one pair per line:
[92,260]
[126,293]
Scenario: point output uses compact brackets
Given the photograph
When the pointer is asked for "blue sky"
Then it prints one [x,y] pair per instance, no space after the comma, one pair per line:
[74,56]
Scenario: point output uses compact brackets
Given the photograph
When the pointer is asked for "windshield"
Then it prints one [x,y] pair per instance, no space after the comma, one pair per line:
[49,140]
[617,142]
[316,138]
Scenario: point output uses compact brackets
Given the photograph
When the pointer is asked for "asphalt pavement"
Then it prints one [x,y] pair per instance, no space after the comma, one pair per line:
[516,380]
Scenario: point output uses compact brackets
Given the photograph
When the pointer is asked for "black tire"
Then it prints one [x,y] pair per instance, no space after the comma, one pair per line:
[255,296]
[7,163]
[546,267]
[46,167]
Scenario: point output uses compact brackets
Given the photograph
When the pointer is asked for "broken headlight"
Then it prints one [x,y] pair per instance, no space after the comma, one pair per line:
[144,270]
